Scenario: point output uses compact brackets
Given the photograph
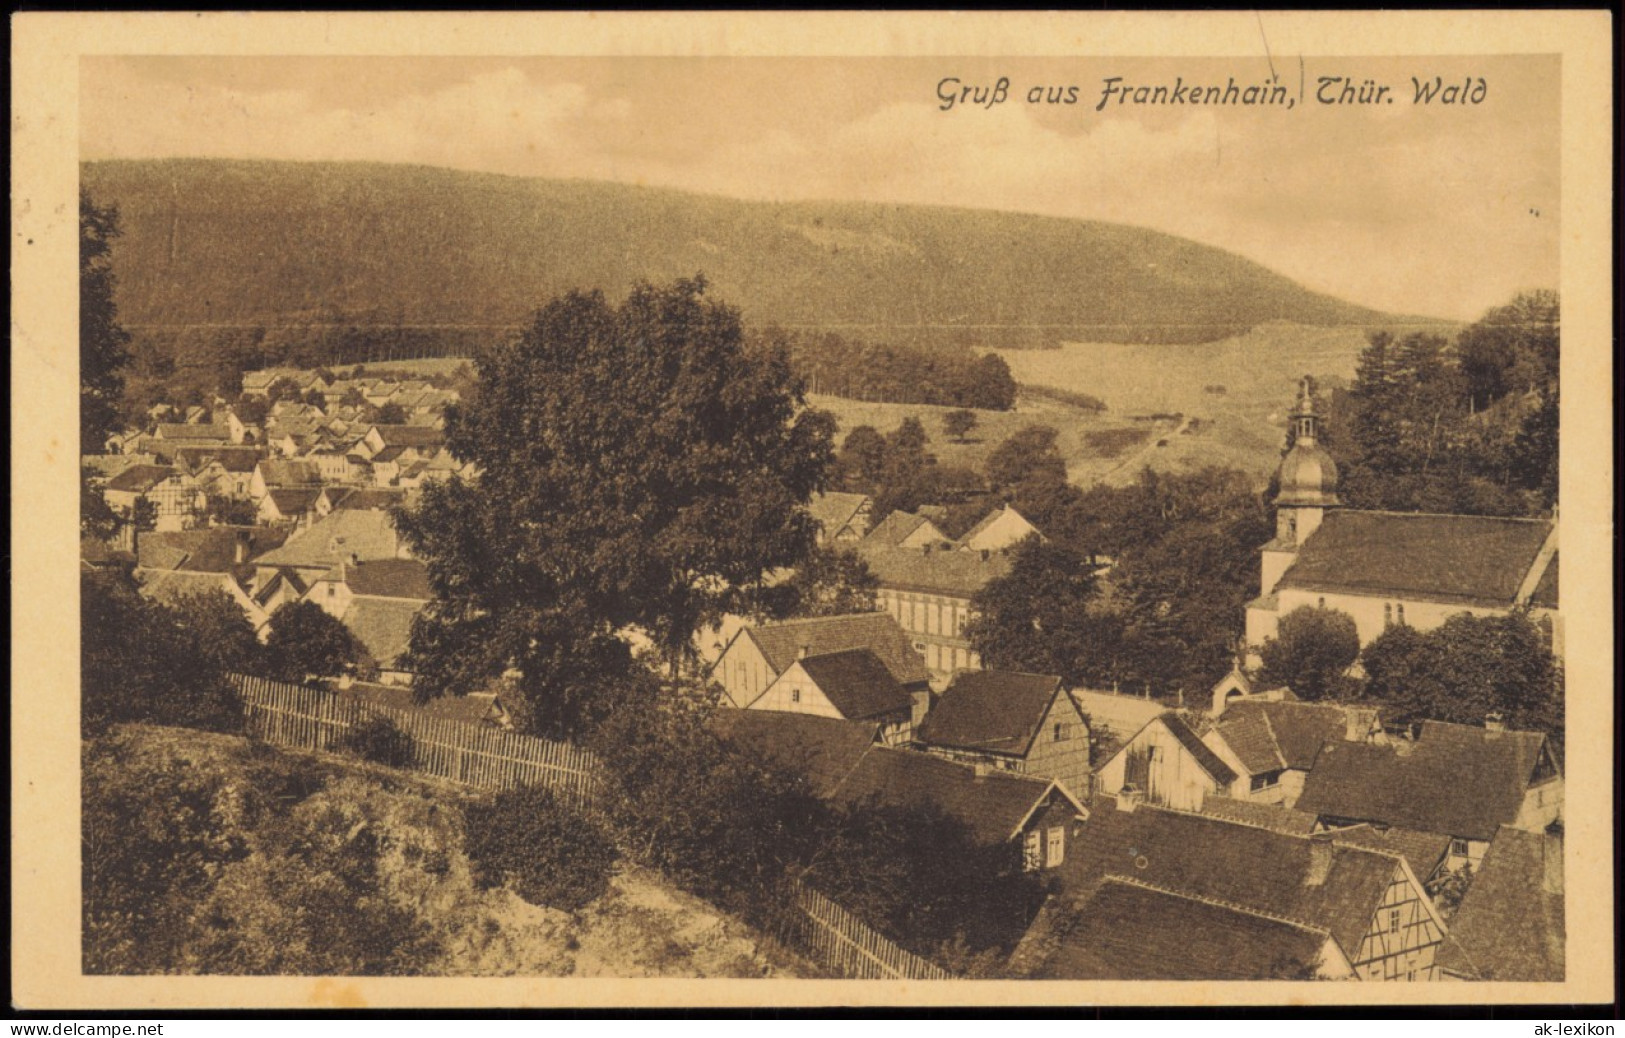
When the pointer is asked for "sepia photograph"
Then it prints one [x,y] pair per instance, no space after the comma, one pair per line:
[714,510]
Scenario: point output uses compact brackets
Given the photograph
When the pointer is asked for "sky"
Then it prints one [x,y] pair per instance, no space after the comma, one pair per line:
[1434,210]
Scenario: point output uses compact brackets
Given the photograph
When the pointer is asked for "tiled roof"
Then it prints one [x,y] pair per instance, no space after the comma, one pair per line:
[97,552]
[1298,730]
[1450,558]
[1336,888]
[168,585]
[1251,739]
[892,530]
[389,454]
[957,573]
[1128,931]
[1510,925]
[382,625]
[386,578]
[834,511]
[1266,816]
[782,643]
[140,478]
[286,574]
[1205,757]
[857,683]
[823,750]
[996,710]
[294,500]
[365,497]
[990,805]
[232,459]
[106,465]
[210,550]
[1422,851]
[968,540]
[1455,779]
[411,435]
[290,473]
[334,538]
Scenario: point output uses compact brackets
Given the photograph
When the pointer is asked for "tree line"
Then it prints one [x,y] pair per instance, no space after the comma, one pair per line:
[948,376]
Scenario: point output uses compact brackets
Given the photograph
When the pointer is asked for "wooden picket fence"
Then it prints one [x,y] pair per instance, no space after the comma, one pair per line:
[850,946]
[315,719]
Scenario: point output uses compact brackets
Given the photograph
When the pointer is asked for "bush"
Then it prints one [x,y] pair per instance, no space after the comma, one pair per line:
[379,740]
[547,851]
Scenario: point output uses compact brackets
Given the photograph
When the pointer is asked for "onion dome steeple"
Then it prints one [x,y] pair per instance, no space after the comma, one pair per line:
[1308,475]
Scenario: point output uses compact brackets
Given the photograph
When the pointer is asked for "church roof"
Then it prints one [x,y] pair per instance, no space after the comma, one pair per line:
[1474,560]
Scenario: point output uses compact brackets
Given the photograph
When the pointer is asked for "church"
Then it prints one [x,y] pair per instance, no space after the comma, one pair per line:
[1386,568]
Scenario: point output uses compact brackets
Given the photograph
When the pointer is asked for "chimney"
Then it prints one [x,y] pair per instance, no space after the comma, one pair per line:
[801,651]
[355,559]
[1495,721]
[1129,797]
[1320,860]
[926,548]
[986,554]
[239,553]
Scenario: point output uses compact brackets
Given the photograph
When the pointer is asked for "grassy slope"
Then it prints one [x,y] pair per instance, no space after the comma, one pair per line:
[641,927]
[212,241]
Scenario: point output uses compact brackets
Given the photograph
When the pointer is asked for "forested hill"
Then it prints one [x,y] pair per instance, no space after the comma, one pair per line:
[279,244]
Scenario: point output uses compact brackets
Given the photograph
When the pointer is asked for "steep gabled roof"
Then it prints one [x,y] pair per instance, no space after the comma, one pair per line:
[1447,558]
[992,806]
[1333,887]
[209,550]
[172,431]
[276,472]
[857,683]
[835,511]
[968,541]
[823,750]
[232,459]
[1130,931]
[1251,739]
[385,578]
[782,643]
[1422,851]
[1266,816]
[294,500]
[995,710]
[957,573]
[1455,779]
[334,538]
[895,528]
[1209,761]
[410,435]
[1298,730]
[1510,925]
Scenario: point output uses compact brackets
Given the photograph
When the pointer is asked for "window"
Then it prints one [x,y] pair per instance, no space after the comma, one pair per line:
[1057,847]
[795,695]
[1458,848]
[1400,610]
[1393,920]
[1387,614]
[1267,780]
[1322,602]
[1060,732]
[1031,852]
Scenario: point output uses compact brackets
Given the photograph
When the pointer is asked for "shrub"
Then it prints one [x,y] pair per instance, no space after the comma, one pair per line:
[547,851]
[379,740]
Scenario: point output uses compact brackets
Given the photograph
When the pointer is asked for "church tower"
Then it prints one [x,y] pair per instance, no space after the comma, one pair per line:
[1308,489]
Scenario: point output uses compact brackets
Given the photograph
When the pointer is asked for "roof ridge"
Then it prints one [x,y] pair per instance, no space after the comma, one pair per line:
[1232,906]
[1275,740]
[1441,515]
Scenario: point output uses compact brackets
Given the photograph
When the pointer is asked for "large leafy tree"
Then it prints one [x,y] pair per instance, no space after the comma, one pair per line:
[305,641]
[637,465]
[1045,616]
[1310,651]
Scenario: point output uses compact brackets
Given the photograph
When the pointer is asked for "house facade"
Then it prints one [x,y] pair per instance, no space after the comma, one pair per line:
[755,656]
[1001,529]
[1028,724]
[929,593]
[1169,766]
[852,685]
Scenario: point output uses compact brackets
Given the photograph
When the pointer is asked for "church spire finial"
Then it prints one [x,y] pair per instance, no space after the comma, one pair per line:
[1303,416]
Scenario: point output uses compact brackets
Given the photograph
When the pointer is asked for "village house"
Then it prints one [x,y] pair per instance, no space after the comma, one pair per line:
[288,506]
[1024,723]
[175,497]
[906,530]
[1425,853]
[1457,780]
[172,564]
[225,471]
[853,685]
[755,656]
[999,530]
[198,434]
[342,536]
[1169,765]
[1387,568]
[1369,903]
[332,463]
[1272,742]
[336,497]
[1114,719]
[421,440]
[929,593]
[377,600]
[840,517]
[1510,924]
[996,807]
[273,473]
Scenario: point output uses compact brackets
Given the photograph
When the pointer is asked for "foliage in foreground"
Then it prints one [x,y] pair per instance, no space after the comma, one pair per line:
[549,852]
